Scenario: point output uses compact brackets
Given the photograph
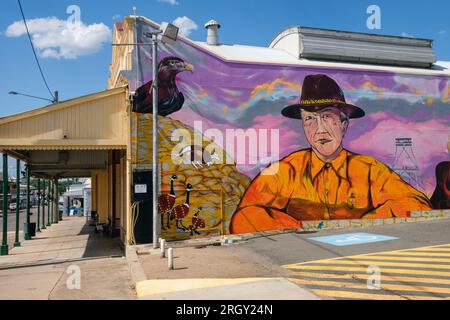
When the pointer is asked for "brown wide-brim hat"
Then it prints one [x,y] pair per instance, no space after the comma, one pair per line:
[319,92]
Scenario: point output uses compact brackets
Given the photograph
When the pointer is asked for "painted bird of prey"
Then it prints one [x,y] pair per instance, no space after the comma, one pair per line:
[170,98]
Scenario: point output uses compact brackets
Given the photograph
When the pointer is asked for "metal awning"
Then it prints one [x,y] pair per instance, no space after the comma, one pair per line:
[73,193]
[71,138]
[93,122]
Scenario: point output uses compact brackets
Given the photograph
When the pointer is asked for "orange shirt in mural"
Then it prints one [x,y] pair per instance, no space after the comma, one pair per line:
[301,187]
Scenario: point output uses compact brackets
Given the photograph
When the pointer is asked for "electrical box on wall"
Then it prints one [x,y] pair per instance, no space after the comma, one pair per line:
[142,186]
[142,193]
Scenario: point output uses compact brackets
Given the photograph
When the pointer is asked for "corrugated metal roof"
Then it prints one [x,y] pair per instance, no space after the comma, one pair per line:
[245,53]
[241,53]
[64,104]
[93,122]
[73,193]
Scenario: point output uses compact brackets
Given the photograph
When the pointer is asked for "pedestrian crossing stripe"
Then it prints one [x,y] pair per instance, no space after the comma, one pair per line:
[386,270]
[367,296]
[363,285]
[412,274]
[415,259]
[388,264]
[364,277]
[433,249]
[410,251]
[415,253]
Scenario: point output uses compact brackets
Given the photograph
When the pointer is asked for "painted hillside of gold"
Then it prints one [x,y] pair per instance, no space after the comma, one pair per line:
[194,159]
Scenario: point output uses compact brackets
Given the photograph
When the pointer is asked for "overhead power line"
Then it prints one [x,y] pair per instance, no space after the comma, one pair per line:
[34,51]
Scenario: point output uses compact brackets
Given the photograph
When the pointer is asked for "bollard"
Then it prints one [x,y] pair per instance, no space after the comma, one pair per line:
[163,248]
[170,252]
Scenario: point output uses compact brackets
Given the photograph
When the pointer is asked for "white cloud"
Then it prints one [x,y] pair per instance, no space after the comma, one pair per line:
[171,2]
[186,25]
[442,32]
[55,38]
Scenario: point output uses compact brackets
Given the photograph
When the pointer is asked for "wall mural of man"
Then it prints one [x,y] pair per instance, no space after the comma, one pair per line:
[325,181]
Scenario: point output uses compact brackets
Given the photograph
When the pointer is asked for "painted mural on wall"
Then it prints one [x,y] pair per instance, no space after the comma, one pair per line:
[260,146]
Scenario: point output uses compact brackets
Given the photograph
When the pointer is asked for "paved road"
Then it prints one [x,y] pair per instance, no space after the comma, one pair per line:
[416,265]
[413,274]
[293,247]
[12,224]
[12,219]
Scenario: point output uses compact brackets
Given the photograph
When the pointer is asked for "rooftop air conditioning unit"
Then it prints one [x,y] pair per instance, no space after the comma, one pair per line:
[324,44]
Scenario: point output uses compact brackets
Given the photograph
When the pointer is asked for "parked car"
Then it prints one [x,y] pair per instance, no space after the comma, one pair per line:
[23,205]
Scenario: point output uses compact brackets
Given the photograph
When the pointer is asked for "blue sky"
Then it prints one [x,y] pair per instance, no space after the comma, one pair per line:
[250,22]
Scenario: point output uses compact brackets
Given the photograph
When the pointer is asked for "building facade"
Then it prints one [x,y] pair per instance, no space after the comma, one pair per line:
[229,161]
[221,126]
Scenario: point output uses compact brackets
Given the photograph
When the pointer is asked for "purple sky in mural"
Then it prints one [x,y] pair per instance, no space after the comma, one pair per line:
[250,95]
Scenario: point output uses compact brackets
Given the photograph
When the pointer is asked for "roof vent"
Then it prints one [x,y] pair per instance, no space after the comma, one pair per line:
[213,32]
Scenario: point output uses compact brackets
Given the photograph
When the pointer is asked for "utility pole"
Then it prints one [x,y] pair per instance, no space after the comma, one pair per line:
[168,33]
[54,100]
[156,216]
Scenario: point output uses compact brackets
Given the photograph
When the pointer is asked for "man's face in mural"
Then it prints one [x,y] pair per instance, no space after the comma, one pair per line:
[325,130]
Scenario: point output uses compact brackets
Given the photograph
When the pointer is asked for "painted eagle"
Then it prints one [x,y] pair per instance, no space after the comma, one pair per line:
[170,98]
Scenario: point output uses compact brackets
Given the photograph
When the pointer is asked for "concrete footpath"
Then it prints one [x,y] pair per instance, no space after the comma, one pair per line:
[214,273]
[69,252]
[252,267]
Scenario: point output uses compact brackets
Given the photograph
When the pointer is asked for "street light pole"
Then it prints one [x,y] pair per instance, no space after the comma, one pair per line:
[156,216]
[54,100]
[167,33]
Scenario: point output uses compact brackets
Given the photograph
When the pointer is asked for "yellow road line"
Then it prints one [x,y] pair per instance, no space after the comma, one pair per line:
[418,254]
[393,254]
[388,264]
[367,296]
[429,249]
[365,257]
[383,286]
[362,276]
[383,270]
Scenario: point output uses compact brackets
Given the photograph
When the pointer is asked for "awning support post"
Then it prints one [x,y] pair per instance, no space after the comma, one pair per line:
[43,205]
[4,246]
[49,203]
[39,205]
[17,241]
[27,228]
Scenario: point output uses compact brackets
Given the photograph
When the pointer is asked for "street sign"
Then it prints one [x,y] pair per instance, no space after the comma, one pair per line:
[349,239]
